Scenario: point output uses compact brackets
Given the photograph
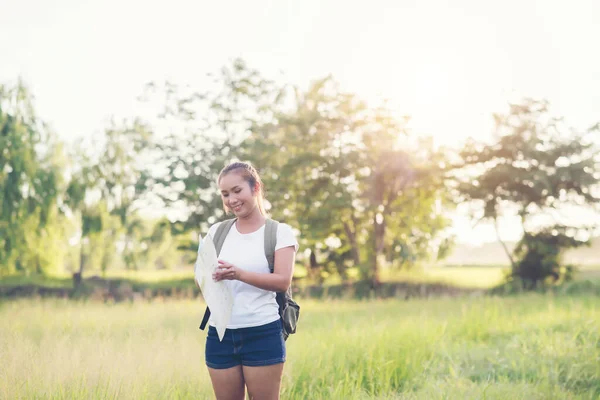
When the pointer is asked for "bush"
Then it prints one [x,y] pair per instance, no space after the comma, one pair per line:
[539,258]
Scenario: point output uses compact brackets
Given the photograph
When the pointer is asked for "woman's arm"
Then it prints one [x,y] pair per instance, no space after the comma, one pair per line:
[278,281]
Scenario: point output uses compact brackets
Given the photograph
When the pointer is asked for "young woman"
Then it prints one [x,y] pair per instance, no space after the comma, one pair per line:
[252,353]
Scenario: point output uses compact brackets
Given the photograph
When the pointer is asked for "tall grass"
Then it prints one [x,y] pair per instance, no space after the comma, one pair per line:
[524,347]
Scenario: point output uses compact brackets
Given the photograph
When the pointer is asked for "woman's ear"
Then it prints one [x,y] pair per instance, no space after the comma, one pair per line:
[257,188]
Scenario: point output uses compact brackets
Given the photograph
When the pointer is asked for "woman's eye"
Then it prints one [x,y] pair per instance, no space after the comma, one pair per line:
[237,191]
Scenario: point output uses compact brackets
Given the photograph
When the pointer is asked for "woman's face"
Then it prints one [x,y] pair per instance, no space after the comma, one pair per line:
[237,194]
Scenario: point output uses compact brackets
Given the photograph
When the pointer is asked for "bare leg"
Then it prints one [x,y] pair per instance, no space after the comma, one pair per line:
[263,382]
[228,384]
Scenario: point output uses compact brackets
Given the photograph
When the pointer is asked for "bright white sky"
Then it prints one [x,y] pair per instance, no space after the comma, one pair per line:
[448,64]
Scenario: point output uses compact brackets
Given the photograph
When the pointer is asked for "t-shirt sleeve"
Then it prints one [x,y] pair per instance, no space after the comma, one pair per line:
[213,229]
[211,232]
[286,237]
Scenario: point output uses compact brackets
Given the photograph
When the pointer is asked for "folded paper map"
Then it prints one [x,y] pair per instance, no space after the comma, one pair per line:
[217,295]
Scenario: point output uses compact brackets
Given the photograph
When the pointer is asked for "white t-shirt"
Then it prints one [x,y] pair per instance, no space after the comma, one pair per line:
[251,306]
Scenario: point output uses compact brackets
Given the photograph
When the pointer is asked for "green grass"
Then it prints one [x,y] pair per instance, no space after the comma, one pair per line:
[139,280]
[36,280]
[480,277]
[523,347]
[470,276]
[462,276]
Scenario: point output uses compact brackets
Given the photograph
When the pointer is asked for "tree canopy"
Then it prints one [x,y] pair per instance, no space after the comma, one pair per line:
[363,192]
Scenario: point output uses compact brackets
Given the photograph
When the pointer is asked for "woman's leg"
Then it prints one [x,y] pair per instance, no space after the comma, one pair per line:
[263,382]
[228,384]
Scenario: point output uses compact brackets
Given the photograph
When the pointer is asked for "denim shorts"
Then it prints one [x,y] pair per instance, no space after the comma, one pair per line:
[254,346]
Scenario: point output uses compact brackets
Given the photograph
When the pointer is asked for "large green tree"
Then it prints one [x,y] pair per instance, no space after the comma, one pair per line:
[336,169]
[540,166]
[31,180]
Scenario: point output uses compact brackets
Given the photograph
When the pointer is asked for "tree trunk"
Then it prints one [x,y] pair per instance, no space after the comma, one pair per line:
[77,276]
[512,262]
[38,265]
[314,272]
[351,233]
[378,244]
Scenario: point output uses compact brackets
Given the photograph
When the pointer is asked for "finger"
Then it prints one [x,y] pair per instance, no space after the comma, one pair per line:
[222,273]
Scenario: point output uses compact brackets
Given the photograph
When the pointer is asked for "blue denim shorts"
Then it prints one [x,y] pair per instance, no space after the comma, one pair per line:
[254,346]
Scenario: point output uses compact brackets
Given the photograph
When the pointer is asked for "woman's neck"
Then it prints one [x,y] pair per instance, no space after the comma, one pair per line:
[251,222]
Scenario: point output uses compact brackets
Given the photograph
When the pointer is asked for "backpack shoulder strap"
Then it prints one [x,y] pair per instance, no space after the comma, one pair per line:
[270,242]
[221,233]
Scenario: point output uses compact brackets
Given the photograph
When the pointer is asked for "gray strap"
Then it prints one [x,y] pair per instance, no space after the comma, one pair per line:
[270,242]
[221,233]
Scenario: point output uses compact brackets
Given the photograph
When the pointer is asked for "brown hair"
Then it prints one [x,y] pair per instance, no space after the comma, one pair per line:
[250,175]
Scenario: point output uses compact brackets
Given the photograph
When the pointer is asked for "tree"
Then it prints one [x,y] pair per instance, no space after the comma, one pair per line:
[403,193]
[31,163]
[308,161]
[101,193]
[541,167]
[334,168]
[206,129]
[82,201]
[120,168]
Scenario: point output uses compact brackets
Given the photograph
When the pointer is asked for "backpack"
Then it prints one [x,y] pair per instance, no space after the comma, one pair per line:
[289,310]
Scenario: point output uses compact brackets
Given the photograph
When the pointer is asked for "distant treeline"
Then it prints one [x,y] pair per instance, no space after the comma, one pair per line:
[360,189]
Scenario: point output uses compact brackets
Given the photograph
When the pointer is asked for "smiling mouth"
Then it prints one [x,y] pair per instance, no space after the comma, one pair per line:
[237,208]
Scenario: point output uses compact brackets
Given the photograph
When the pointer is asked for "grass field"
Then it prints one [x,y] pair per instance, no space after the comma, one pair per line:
[466,276]
[481,277]
[523,347]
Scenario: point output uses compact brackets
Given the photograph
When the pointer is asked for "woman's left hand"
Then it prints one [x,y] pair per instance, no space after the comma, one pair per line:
[226,271]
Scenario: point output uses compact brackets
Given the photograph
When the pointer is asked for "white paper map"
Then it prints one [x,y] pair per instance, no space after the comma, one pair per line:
[217,295]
